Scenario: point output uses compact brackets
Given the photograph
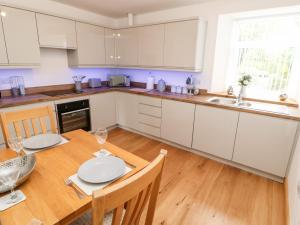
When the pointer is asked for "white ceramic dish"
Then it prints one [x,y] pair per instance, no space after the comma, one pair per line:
[100,170]
[41,141]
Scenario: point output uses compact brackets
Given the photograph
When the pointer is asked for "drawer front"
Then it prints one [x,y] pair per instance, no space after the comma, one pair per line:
[150,110]
[154,131]
[149,120]
[150,101]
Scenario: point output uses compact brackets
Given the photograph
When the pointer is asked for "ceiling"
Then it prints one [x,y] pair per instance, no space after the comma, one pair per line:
[120,8]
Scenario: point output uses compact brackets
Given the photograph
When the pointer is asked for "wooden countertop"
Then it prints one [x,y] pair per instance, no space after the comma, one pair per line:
[293,113]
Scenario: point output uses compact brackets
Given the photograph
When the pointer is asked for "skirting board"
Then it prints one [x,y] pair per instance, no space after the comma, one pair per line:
[197,152]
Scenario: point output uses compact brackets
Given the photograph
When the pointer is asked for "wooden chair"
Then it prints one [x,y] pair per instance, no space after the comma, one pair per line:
[27,118]
[127,199]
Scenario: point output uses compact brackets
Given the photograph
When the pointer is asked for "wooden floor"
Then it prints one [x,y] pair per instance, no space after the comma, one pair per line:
[196,190]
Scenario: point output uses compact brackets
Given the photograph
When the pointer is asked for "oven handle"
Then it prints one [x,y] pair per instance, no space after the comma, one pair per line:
[75,111]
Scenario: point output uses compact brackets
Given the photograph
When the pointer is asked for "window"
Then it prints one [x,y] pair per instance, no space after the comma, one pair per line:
[268,49]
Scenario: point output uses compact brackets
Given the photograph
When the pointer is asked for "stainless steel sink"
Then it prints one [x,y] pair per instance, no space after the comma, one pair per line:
[279,109]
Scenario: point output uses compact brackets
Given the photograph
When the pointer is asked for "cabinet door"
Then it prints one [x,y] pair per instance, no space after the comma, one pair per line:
[110,48]
[90,46]
[3,54]
[21,36]
[184,42]
[177,122]
[127,47]
[103,110]
[214,131]
[151,45]
[127,110]
[264,143]
[55,32]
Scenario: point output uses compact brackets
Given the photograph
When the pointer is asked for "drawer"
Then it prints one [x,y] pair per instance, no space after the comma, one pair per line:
[150,101]
[149,120]
[154,131]
[150,110]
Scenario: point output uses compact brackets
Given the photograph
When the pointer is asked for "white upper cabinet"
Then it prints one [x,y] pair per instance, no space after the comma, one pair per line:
[151,45]
[214,131]
[21,37]
[177,122]
[264,143]
[184,44]
[55,32]
[3,54]
[90,46]
[127,47]
[103,110]
[110,46]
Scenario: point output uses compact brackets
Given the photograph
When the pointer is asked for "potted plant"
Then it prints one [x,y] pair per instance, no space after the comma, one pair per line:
[244,81]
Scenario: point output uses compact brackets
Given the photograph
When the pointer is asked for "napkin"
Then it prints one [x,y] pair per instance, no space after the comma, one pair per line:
[27,151]
[4,199]
[89,188]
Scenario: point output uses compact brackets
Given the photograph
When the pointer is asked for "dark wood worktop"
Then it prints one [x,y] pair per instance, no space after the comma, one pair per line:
[293,112]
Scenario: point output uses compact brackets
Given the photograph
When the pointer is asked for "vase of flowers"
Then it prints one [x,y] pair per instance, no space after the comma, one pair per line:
[244,81]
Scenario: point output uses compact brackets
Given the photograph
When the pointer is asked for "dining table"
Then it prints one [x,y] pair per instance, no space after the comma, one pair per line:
[48,198]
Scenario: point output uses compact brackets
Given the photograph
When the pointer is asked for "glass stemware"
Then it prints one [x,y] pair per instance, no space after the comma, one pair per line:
[101,135]
[16,144]
[9,177]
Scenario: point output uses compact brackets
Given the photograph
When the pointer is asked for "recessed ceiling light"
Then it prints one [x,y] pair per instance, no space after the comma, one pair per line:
[3,13]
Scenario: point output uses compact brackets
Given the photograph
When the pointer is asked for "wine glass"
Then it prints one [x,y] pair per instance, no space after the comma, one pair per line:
[16,144]
[9,177]
[101,135]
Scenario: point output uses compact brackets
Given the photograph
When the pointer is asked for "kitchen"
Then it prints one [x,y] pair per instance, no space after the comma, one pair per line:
[205,80]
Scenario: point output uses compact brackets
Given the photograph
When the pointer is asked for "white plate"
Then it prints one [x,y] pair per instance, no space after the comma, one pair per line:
[41,141]
[103,169]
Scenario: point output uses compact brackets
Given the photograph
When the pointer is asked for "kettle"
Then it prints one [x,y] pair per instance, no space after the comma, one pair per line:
[161,85]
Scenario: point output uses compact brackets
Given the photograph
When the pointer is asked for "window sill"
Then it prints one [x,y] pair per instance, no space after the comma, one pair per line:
[288,102]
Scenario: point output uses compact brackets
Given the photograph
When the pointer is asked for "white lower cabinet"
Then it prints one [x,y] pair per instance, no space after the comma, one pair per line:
[127,110]
[177,122]
[264,143]
[214,131]
[103,110]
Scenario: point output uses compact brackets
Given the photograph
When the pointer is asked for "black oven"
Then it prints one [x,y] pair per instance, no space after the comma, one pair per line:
[74,115]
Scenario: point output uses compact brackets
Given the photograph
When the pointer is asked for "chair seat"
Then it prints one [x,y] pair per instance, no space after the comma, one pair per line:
[86,219]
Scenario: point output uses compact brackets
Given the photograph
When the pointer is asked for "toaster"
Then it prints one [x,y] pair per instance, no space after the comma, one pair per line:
[94,82]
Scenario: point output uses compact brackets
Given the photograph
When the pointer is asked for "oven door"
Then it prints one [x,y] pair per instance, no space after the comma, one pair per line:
[73,120]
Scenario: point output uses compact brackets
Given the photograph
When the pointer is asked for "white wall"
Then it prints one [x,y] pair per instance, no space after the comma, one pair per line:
[210,11]
[170,77]
[293,180]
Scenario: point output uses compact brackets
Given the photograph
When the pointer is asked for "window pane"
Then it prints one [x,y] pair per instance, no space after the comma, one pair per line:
[265,48]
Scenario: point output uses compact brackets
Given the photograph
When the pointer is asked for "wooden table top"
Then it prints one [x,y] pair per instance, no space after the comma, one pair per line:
[48,198]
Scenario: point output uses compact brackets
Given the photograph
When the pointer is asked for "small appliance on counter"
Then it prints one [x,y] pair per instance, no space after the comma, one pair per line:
[94,82]
[190,85]
[161,85]
[78,83]
[119,81]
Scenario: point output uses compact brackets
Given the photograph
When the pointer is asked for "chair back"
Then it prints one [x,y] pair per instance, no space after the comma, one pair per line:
[128,198]
[30,121]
